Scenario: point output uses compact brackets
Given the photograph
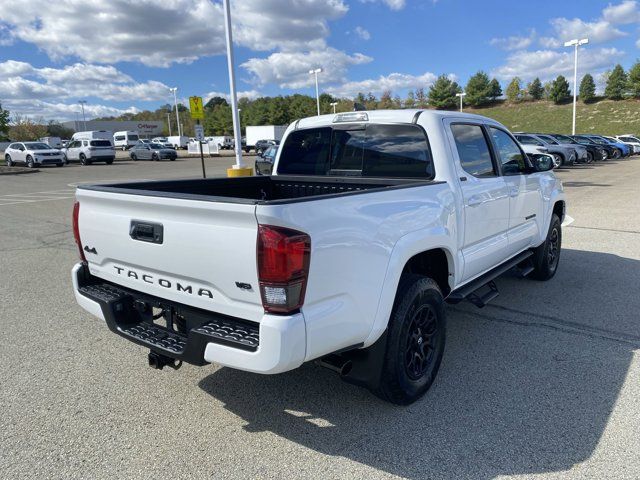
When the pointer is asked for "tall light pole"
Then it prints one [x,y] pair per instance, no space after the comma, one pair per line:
[461,95]
[169,121]
[239,169]
[575,43]
[334,104]
[175,102]
[315,72]
[84,120]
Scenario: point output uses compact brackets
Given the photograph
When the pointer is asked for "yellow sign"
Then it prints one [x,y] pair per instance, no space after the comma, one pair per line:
[195,104]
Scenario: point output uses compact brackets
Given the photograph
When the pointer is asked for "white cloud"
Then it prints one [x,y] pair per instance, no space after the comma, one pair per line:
[392,4]
[161,33]
[250,94]
[20,80]
[514,42]
[392,82]
[61,111]
[597,32]
[291,70]
[547,64]
[623,13]
[549,42]
[362,33]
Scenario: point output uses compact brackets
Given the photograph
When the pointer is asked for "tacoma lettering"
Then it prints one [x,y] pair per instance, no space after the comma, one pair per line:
[163,282]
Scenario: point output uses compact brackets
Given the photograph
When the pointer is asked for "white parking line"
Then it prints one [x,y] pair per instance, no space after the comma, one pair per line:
[567,221]
[36,197]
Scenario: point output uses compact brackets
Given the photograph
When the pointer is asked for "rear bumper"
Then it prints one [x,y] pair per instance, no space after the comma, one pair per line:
[276,344]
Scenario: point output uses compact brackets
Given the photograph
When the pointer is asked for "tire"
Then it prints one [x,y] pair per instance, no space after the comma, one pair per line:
[7,158]
[60,164]
[66,160]
[154,157]
[547,256]
[30,162]
[557,160]
[133,157]
[616,154]
[589,157]
[83,160]
[417,322]
[109,162]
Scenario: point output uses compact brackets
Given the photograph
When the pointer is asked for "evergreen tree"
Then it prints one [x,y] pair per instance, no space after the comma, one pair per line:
[514,91]
[442,94]
[587,90]
[536,91]
[495,90]
[559,90]
[633,80]
[616,83]
[478,89]
[4,123]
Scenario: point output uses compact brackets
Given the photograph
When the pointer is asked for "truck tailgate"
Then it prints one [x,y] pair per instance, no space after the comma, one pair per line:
[188,251]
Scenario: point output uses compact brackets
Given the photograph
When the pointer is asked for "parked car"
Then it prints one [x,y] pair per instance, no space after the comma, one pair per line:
[370,223]
[262,145]
[562,154]
[581,151]
[162,141]
[627,149]
[146,141]
[633,142]
[610,150]
[594,152]
[152,151]
[265,161]
[89,151]
[33,154]
[620,149]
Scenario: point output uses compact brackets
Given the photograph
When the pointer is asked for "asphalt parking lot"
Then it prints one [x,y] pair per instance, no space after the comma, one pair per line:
[542,383]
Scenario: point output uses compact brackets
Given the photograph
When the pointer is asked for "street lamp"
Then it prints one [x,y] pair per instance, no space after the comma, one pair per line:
[575,43]
[169,121]
[175,101]
[316,72]
[460,95]
[333,104]
[84,120]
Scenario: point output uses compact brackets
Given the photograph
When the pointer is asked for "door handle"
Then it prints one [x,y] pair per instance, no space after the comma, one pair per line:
[474,200]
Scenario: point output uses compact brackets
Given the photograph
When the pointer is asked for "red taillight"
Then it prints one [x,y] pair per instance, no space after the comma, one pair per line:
[76,230]
[283,267]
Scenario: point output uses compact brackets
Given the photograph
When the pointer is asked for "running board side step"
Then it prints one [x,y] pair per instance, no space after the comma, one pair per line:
[469,291]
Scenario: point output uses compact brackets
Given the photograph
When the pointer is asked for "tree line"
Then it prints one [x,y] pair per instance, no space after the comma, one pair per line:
[480,91]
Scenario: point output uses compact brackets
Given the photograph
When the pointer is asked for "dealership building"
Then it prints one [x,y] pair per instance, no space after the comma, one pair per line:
[148,128]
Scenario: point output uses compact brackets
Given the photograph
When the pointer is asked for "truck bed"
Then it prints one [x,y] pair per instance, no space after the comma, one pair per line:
[259,189]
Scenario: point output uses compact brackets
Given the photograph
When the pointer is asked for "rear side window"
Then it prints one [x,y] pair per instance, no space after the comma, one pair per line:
[374,150]
[473,150]
[100,143]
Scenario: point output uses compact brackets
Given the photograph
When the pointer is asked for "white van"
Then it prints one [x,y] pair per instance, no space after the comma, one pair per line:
[93,135]
[125,140]
[178,141]
[53,142]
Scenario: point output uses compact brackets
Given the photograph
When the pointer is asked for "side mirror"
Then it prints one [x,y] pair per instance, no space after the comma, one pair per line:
[541,162]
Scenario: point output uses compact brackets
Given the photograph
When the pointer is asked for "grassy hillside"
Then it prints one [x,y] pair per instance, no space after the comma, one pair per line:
[606,117]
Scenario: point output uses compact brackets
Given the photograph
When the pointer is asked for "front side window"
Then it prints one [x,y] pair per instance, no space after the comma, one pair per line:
[473,150]
[527,140]
[133,138]
[511,157]
[119,138]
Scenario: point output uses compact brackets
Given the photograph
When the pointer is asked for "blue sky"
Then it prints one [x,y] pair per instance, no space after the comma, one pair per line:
[122,55]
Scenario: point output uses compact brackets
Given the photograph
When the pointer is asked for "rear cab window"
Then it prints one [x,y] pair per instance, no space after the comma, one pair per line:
[365,150]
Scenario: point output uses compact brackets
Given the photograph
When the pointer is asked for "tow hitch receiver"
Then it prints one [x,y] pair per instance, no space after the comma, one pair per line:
[159,361]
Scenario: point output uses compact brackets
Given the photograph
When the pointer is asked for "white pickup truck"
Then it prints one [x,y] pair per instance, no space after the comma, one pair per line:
[346,255]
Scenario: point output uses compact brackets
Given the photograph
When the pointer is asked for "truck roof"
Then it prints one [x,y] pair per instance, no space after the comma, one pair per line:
[390,116]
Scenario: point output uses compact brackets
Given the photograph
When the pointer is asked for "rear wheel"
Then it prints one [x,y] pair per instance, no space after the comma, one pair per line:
[155,158]
[589,157]
[415,341]
[30,162]
[83,159]
[557,160]
[7,158]
[547,256]
[616,154]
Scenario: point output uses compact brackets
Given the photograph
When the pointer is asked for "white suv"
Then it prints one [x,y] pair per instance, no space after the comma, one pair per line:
[90,151]
[33,154]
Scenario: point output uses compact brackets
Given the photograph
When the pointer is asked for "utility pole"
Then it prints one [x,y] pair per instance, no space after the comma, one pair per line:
[84,120]
[315,72]
[460,95]
[175,101]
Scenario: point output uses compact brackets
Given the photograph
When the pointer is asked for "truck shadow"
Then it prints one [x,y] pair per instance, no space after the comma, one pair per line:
[518,392]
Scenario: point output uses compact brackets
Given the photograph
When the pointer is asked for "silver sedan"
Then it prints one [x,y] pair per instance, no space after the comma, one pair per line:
[151,151]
